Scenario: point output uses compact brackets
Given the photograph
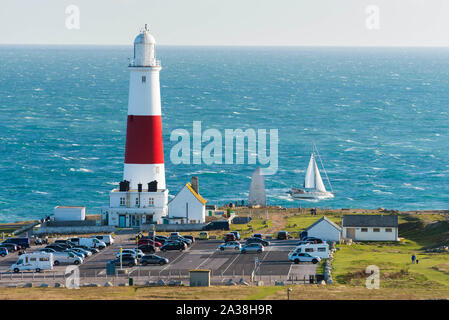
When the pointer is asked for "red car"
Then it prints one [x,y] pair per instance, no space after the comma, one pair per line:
[229,237]
[150,242]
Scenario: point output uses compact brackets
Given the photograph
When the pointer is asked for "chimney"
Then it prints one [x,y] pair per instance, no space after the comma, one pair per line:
[195,184]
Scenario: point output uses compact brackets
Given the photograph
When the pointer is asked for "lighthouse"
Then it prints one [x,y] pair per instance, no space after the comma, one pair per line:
[142,196]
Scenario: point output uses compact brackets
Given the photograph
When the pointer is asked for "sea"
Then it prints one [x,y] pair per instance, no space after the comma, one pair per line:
[378,116]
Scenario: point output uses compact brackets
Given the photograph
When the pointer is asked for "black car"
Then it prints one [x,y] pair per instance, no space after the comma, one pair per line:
[173,245]
[56,247]
[146,248]
[23,243]
[182,239]
[64,243]
[10,246]
[126,260]
[282,235]
[161,239]
[189,237]
[153,259]
[258,240]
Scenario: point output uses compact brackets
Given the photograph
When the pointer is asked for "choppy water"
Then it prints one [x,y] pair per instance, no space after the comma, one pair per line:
[378,116]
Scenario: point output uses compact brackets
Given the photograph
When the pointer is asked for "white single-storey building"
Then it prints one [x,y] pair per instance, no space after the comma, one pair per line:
[370,227]
[188,206]
[130,208]
[70,213]
[324,229]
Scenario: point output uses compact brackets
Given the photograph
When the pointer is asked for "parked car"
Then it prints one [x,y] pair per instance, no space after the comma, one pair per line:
[174,245]
[48,250]
[56,247]
[257,235]
[204,235]
[66,257]
[303,257]
[10,246]
[303,242]
[234,245]
[22,243]
[66,243]
[252,247]
[93,250]
[36,261]
[236,234]
[174,235]
[312,240]
[136,253]
[283,235]
[147,248]
[182,239]
[190,237]
[76,253]
[258,240]
[86,253]
[229,237]
[106,238]
[153,259]
[161,239]
[92,243]
[3,251]
[149,241]
[127,260]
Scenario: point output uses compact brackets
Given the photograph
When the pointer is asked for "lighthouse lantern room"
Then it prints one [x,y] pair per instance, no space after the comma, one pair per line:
[142,196]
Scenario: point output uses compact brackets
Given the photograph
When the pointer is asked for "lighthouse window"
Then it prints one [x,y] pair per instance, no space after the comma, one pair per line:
[144,79]
[151,202]
[122,201]
[137,201]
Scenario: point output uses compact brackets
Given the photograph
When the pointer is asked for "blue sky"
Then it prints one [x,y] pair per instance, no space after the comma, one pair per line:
[230,22]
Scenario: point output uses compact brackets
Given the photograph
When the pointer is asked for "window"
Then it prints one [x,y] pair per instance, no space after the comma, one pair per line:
[388,230]
[309,250]
[44,259]
[364,230]
[151,202]
[32,259]
[122,201]
[144,79]
[137,201]
[376,229]
[321,249]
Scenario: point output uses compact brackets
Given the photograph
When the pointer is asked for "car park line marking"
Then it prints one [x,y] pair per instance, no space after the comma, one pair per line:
[205,260]
[233,260]
[171,262]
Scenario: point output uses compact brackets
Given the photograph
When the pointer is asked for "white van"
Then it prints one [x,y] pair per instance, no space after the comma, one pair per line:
[36,261]
[92,243]
[66,257]
[314,249]
[106,238]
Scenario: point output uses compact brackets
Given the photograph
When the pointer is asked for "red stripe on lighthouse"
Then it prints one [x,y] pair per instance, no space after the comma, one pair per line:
[144,140]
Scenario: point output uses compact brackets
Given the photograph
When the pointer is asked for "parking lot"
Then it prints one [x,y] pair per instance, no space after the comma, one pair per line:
[203,254]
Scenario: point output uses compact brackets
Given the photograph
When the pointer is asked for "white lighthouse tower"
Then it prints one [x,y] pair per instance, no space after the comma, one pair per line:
[142,196]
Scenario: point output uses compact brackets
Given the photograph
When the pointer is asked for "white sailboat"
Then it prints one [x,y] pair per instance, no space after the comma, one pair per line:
[314,188]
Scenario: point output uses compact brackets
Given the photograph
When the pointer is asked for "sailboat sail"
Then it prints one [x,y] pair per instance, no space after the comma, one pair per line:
[318,181]
[309,182]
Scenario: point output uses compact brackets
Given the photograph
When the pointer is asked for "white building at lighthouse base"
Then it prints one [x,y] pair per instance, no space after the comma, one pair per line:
[131,209]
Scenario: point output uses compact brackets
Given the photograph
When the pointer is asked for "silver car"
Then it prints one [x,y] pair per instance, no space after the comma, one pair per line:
[252,247]
[234,245]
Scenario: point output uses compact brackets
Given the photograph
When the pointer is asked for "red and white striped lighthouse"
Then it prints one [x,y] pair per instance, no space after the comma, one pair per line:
[144,155]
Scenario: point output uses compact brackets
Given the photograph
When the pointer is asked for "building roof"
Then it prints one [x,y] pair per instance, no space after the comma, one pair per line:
[359,220]
[200,198]
[336,226]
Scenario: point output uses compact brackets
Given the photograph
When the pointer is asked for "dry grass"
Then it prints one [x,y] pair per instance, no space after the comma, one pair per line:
[299,292]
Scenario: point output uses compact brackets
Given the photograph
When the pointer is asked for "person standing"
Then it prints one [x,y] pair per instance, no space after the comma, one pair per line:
[413,258]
